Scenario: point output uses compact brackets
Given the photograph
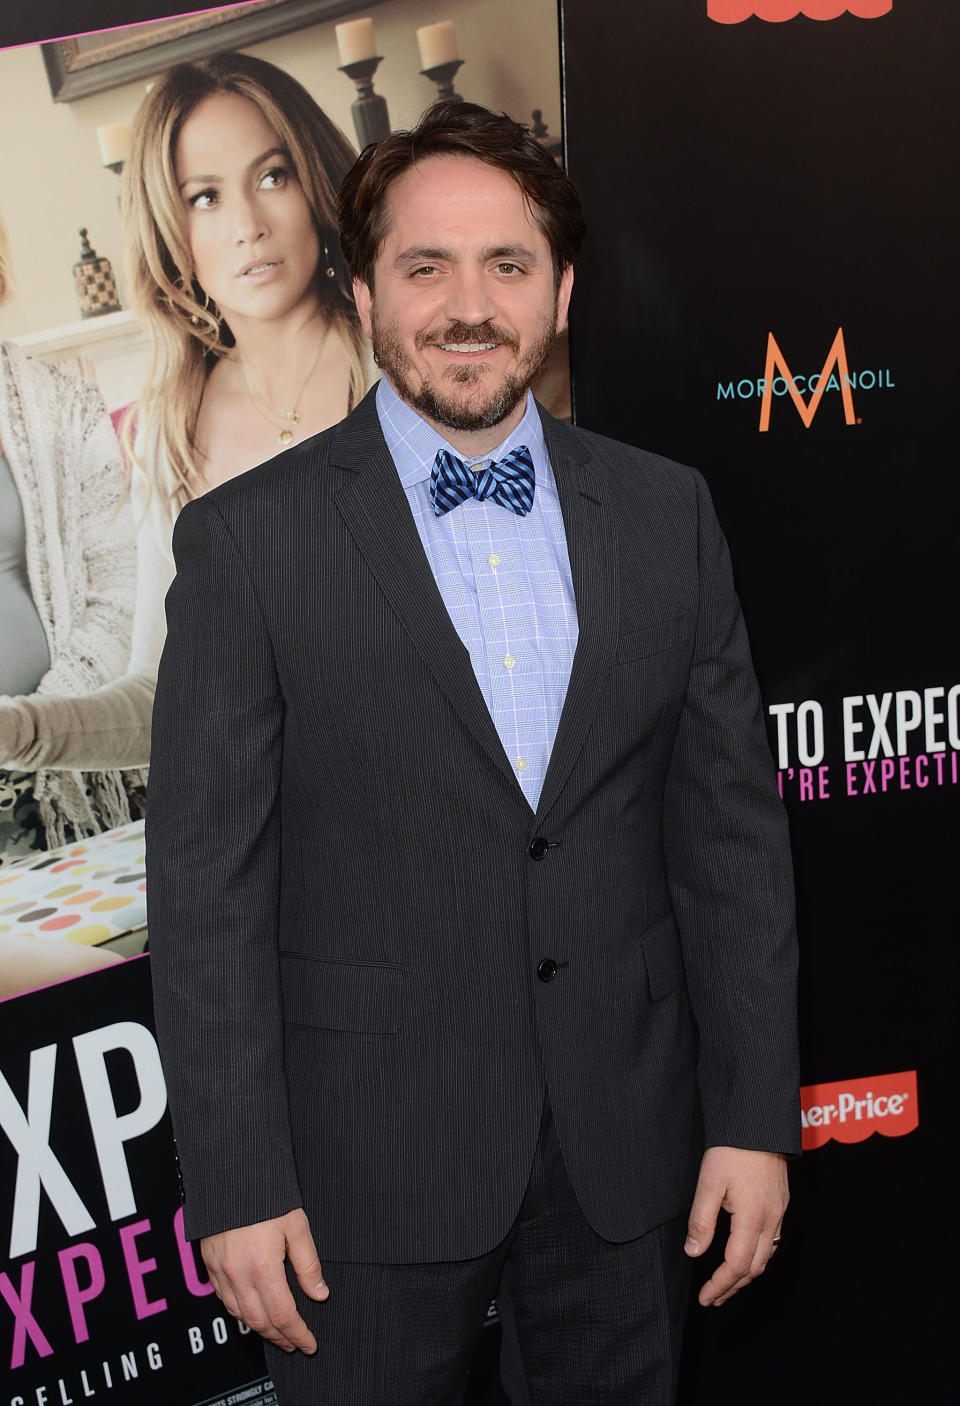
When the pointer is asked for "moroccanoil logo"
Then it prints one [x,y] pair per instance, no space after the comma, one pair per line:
[807,389]
[852,1109]
[777,11]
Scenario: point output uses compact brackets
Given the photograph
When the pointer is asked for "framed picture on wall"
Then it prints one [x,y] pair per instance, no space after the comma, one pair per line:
[91,63]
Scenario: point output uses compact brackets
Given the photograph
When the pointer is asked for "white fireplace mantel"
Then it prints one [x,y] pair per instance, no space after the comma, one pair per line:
[112,350]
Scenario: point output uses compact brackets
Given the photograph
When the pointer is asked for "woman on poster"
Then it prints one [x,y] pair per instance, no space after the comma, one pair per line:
[233,262]
[67,573]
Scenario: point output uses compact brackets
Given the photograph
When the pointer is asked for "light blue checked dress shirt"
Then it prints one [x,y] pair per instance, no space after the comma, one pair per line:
[505,581]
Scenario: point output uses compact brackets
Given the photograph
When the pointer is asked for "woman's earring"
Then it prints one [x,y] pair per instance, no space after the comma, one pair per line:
[208,319]
[330,270]
[182,286]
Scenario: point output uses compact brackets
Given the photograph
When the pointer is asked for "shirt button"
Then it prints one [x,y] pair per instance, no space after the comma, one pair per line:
[494,560]
[547,969]
[478,468]
[521,764]
[508,661]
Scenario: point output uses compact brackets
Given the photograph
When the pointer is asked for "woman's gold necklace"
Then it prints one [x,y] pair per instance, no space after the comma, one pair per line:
[283,418]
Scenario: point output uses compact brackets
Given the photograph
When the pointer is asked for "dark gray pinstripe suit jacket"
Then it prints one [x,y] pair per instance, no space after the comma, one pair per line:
[345,916]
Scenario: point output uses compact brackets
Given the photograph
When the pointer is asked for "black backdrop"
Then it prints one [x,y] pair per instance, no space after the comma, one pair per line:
[796,178]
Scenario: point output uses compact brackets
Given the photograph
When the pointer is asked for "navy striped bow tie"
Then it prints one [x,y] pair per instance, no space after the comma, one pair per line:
[510,481]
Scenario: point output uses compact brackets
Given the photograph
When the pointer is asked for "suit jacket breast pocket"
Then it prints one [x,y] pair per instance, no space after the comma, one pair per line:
[654,639]
[363,997]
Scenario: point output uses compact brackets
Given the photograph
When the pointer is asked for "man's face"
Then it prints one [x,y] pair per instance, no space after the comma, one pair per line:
[464,306]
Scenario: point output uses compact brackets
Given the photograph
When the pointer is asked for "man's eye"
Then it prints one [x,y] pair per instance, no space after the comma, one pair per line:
[425,270]
[509,268]
[204,199]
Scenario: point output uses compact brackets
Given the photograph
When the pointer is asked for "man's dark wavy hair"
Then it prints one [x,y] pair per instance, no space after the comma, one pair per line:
[457,129]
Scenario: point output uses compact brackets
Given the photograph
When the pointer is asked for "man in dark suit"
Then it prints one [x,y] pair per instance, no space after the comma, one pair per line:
[474,929]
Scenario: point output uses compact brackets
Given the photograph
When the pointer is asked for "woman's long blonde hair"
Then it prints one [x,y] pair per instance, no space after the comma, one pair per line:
[187,333]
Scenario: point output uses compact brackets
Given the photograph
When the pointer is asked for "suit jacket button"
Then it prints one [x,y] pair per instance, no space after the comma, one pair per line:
[547,969]
[539,848]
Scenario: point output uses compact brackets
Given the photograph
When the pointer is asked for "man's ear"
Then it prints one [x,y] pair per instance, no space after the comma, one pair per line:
[563,297]
[362,297]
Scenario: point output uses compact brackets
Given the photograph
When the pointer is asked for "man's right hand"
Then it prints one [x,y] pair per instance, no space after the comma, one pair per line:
[246,1270]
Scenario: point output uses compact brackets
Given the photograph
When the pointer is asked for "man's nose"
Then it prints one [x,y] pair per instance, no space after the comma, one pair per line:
[468,298]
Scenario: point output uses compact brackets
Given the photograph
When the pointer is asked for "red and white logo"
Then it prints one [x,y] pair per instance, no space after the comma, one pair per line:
[853,1109]
[777,11]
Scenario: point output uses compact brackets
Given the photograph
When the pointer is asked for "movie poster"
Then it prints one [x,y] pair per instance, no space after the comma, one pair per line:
[100,1295]
[92,519]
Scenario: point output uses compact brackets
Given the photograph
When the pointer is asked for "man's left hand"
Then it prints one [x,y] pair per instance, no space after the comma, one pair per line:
[752,1186]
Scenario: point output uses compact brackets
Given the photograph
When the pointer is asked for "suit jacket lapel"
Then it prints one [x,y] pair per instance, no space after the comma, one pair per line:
[374,506]
[593,564]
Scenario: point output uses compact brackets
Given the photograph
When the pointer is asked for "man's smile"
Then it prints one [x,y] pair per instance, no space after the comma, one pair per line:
[468,348]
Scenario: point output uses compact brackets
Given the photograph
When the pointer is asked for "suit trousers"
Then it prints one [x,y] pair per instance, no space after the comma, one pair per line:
[587,1322]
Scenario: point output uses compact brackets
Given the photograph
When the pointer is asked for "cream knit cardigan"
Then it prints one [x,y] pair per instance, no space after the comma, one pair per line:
[81,562]
[110,727]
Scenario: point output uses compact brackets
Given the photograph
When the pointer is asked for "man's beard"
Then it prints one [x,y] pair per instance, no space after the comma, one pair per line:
[444,408]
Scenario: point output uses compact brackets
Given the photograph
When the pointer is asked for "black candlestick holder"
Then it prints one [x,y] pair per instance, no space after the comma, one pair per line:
[442,74]
[370,116]
[539,129]
[117,168]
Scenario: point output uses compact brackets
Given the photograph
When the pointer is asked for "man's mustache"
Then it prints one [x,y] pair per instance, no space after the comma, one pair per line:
[463,334]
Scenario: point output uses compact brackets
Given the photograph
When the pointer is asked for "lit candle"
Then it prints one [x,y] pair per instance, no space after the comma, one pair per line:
[438,44]
[355,41]
[114,142]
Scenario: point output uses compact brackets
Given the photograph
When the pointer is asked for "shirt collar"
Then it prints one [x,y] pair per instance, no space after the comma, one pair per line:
[413,443]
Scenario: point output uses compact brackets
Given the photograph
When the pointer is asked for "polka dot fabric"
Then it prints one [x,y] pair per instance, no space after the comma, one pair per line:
[87,892]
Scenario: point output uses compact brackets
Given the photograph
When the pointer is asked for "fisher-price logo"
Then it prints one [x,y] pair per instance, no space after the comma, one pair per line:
[853,1109]
[777,11]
